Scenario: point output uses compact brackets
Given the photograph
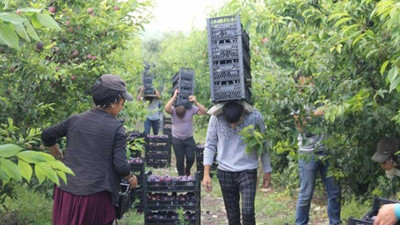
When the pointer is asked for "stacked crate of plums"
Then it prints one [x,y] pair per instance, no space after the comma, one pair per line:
[165,196]
[138,168]
[199,161]
[158,151]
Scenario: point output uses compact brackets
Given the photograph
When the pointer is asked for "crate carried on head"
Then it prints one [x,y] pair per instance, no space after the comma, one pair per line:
[229,59]
[184,82]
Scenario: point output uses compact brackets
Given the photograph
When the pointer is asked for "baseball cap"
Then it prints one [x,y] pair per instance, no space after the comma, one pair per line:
[385,149]
[113,82]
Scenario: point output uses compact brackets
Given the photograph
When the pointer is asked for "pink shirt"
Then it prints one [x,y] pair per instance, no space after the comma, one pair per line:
[183,128]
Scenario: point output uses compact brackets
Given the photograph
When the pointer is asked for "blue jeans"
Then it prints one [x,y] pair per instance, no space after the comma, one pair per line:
[309,168]
[151,123]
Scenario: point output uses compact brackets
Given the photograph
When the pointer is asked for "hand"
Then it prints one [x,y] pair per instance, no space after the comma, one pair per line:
[133,181]
[192,98]
[266,180]
[386,215]
[207,183]
[176,93]
[142,88]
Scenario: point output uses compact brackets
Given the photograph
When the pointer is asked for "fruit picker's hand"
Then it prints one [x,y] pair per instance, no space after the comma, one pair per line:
[266,180]
[207,183]
[132,181]
[142,88]
[175,93]
[386,215]
[193,99]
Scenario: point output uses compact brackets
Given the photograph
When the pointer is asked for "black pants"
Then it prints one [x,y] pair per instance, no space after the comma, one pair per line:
[184,148]
[234,184]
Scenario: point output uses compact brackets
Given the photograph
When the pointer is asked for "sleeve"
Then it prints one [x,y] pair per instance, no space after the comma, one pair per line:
[265,158]
[120,162]
[211,141]
[51,134]
[195,109]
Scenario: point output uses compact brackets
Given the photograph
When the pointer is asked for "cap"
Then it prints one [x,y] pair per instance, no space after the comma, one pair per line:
[109,81]
[386,148]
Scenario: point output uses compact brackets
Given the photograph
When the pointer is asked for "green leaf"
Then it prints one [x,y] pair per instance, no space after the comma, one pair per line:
[31,31]
[8,36]
[393,72]
[12,18]
[26,170]
[47,156]
[383,67]
[343,20]
[35,21]
[358,38]
[11,169]
[19,28]
[62,175]
[40,173]
[61,166]
[9,150]
[394,84]
[48,172]
[31,156]
[47,20]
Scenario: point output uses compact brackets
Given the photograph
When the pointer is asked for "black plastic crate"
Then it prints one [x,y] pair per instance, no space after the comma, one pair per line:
[353,221]
[157,138]
[173,185]
[232,48]
[137,167]
[184,81]
[153,217]
[157,163]
[123,201]
[243,95]
[368,217]
[167,120]
[224,27]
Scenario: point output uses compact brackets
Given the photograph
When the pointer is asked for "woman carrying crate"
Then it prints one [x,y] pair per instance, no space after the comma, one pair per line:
[182,131]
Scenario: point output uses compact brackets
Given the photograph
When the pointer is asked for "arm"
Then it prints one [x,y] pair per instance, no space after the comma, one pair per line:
[50,135]
[209,152]
[158,95]
[388,214]
[120,162]
[202,110]
[140,95]
[168,106]
[265,158]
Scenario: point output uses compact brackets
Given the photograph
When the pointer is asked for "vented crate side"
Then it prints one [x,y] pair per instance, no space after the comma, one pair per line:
[353,221]
[230,96]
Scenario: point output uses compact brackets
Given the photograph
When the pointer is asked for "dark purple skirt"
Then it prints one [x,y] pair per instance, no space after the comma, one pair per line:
[70,209]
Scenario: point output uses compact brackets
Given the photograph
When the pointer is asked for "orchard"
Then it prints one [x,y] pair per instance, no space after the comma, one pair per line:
[51,52]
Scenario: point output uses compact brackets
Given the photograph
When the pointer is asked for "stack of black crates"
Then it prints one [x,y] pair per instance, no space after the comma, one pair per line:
[158,151]
[137,168]
[200,159]
[184,81]
[167,126]
[163,198]
[128,197]
[368,218]
[147,81]
[229,59]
